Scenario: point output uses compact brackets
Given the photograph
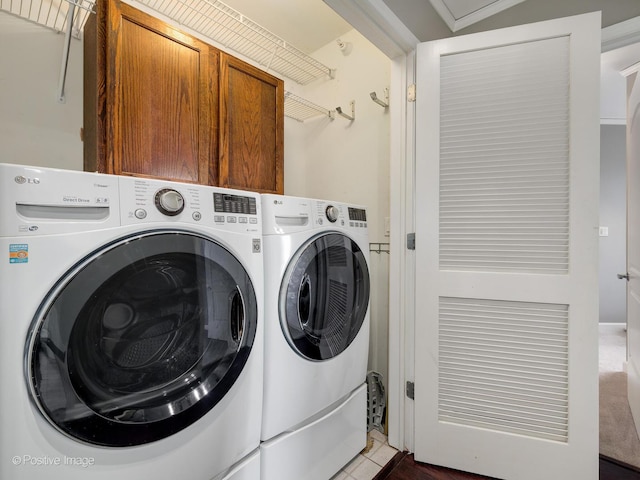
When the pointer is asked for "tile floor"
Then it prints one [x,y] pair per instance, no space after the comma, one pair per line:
[367,465]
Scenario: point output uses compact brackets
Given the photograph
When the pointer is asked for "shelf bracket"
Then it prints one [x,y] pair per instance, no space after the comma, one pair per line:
[351,117]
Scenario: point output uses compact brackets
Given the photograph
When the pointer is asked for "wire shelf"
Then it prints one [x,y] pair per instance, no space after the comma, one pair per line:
[300,109]
[218,21]
[52,14]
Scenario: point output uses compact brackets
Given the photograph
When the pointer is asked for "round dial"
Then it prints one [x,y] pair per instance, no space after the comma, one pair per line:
[332,213]
[169,201]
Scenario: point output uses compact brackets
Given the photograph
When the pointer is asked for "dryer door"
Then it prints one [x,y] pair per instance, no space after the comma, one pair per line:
[142,338]
[324,296]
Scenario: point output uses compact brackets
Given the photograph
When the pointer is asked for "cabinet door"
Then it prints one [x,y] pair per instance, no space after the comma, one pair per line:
[153,98]
[251,127]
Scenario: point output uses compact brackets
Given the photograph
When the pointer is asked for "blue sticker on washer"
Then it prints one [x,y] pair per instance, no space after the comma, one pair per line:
[18,253]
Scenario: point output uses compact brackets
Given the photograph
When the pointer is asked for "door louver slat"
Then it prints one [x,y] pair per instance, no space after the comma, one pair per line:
[504,366]
[504,159]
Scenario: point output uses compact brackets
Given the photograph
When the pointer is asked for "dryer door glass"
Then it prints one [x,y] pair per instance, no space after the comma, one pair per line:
[325,296]
[142,338]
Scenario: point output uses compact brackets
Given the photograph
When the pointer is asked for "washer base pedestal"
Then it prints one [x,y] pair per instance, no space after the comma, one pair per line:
[318,450]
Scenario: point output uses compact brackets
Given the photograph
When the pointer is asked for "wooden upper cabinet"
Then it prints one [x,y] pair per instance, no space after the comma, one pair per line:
[151,91]
[161,103]
[251,127]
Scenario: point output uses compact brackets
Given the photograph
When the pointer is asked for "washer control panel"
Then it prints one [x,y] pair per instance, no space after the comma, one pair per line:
[169,201]
[147,200]
[332,213]
[232,208]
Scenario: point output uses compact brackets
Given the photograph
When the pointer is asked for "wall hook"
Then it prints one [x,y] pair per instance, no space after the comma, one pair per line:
[351,117]
[383,104]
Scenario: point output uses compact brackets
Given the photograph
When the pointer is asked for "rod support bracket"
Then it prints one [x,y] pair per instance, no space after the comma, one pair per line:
[383,103]
[351,117]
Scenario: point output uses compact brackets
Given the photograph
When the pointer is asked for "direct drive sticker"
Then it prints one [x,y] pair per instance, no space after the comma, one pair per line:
[18,253]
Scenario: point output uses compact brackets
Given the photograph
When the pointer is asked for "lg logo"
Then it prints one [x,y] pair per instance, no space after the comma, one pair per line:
[22,180]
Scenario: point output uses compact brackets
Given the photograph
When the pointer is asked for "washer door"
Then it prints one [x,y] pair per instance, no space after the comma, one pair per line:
[324,296]
[142,338]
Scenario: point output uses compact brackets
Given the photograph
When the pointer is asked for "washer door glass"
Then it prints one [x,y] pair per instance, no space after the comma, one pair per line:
[324,296]
[142,338]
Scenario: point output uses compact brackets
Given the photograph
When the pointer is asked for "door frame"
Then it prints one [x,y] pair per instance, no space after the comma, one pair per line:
[631,346]
[378,24]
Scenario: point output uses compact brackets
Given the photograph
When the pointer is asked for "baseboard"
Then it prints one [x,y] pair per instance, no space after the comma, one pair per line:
[632,468]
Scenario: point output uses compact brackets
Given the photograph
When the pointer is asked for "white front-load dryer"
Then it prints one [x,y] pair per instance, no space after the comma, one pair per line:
[131,336]
[317,288]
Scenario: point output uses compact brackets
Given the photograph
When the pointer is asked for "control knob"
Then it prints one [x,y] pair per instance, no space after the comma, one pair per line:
[332,213]
[170,202]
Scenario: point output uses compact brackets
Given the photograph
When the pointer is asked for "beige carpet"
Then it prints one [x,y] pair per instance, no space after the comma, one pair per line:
[618,436]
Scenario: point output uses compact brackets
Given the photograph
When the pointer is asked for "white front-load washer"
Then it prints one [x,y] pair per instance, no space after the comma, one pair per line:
[131,336]
[317,288]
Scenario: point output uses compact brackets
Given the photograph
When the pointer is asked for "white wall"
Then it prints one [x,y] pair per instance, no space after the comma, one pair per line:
[330,159]
[613,99]
[348,161]
[613,215]
[338,159]
[35,129]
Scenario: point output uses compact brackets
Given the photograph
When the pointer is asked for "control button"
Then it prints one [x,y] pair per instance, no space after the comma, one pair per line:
[351,224]
[242,220]
[140,213]
[197,216]
[231,219]
[169,202]
[253,221]
[332,213]
[218,218]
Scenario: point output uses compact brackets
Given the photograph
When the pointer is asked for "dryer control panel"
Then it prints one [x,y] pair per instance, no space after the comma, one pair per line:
[337,214]
[283,215]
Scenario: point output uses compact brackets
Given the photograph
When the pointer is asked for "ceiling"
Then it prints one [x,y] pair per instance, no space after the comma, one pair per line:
[458,14]
[305,24]
[311,24]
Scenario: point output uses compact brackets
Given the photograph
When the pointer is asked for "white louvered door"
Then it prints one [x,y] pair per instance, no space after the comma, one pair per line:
[507,175]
